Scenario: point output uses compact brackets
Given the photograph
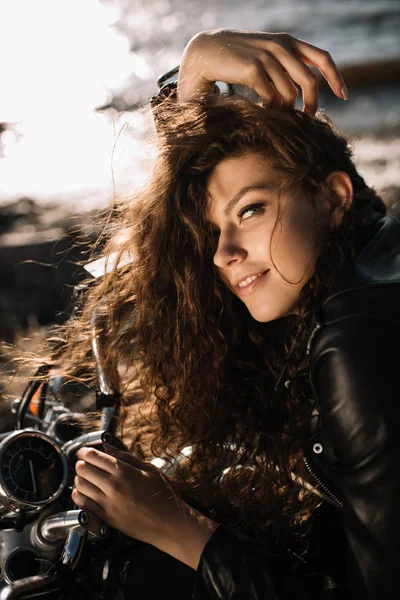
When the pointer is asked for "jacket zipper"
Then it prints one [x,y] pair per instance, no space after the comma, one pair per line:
[331,496]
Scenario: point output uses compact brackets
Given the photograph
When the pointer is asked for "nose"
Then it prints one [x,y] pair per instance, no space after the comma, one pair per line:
[228,252]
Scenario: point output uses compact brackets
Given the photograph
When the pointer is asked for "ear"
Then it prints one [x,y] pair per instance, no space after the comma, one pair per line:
[340,196]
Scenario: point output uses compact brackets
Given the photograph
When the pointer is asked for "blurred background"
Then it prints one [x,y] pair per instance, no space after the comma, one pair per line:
[75,78]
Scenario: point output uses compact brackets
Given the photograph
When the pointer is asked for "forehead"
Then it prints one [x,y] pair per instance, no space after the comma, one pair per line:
[233,174]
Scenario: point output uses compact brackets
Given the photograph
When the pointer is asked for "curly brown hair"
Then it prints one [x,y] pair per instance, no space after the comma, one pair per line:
[195,369]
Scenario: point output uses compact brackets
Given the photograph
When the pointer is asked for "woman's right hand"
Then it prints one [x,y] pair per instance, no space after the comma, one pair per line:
[268,63]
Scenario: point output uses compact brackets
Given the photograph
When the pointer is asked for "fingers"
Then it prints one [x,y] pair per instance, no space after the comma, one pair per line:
[324,62]
[100,460]
[287,58]
[108,462]
[84,486]
[282,84]
[300,73]
[130,459]
[97,477]
[257,79]
[270,63]
[88,504]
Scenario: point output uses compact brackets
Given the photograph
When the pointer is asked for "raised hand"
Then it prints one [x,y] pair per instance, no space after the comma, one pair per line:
[268,63]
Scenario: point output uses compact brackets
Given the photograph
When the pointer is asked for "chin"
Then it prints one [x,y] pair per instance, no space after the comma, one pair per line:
[267,314]
[264,316]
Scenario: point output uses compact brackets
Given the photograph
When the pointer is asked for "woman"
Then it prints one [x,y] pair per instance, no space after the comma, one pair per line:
[257,325]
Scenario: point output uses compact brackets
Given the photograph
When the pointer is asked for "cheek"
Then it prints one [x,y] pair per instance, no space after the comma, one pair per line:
[296,247]
[221,278]
[258,242]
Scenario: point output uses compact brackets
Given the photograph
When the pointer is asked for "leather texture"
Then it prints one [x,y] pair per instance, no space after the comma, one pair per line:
[354,364]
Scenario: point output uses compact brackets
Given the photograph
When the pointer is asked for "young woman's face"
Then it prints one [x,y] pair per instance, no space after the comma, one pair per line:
[242,207]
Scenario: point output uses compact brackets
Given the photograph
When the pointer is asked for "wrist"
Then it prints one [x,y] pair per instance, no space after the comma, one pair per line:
[196,90]
[195,82]
[185,537]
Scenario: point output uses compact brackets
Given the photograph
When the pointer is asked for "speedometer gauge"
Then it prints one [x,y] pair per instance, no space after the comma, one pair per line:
[33,470]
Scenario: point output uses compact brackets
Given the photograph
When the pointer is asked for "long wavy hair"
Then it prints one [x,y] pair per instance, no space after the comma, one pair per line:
[196,371]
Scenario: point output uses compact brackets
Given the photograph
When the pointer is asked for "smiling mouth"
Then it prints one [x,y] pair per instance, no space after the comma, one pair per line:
[244,289]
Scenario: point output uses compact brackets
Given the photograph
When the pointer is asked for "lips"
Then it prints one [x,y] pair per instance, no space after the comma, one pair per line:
[254,281]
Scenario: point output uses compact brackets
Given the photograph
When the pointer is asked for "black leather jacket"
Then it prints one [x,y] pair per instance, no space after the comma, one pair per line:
[353,353]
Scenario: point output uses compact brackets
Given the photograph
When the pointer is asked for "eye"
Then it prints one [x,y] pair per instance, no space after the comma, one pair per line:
[251,209]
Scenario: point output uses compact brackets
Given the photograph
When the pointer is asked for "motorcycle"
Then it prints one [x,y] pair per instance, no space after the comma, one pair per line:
[42,532]
[49,548]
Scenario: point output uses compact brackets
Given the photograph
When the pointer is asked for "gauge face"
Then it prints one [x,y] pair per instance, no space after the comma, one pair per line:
[32,468]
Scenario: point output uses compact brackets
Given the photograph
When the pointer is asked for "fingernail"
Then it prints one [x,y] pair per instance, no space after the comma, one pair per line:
[345,93]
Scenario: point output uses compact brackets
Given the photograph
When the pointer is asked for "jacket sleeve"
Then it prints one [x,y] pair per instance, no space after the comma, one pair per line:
[232,567]
[354,368]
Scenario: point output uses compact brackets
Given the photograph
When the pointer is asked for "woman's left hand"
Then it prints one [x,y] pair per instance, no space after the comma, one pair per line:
[129,494]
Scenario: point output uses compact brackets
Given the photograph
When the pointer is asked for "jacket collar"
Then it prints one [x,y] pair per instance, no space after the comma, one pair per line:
[359,287]
[377,260]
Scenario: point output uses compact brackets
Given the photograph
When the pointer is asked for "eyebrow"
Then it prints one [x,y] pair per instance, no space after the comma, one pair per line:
[245,190]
